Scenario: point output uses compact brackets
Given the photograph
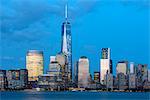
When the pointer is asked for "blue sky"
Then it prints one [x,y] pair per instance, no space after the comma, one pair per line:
[122,25]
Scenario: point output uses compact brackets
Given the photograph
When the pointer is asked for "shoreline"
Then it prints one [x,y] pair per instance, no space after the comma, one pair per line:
[99,91]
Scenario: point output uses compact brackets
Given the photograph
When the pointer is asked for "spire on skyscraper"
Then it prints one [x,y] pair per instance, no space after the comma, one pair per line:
[66,11]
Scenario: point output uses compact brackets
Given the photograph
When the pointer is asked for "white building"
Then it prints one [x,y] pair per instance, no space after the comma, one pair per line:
[132,67]
[105,64]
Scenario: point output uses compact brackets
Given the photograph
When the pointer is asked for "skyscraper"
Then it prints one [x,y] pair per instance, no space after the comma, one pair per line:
[34,64]
[105,63]
[132,69]
[66,46]
[122,67]
[83,72]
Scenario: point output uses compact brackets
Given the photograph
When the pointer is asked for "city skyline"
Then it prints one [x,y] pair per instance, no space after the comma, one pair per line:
[82,32]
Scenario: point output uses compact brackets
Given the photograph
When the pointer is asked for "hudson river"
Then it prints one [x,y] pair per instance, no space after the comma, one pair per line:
[74,96]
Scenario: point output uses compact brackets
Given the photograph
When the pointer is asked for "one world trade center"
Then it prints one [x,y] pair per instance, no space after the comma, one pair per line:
[66,46]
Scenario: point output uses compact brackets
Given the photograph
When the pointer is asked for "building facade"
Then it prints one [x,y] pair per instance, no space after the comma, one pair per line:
[132,68]
[149,75]
[105,64]
[83,72]
[122,81]
[139,77]
[76,73]
[34,64]
[96,77]
[108,81]
[61,58]
[132,81]
[17,79]
[144,73]
[3,80]
[122,67]
[50,82]
[55,70]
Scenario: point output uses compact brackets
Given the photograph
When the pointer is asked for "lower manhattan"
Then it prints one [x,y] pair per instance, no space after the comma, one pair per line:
[74,49]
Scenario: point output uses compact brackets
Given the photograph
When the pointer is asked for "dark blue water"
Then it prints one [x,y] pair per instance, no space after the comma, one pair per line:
[73,96]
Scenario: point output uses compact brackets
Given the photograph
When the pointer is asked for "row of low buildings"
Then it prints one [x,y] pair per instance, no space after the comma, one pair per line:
[13,79]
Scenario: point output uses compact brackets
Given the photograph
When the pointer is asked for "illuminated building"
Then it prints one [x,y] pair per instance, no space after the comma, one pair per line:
[34,64]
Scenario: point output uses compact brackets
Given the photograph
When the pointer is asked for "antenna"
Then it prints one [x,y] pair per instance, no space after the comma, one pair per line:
[66,11]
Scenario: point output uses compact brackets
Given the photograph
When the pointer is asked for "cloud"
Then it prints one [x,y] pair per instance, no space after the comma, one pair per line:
[20,19]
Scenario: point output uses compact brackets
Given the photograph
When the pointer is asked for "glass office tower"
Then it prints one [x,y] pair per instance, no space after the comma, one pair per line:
[66,46]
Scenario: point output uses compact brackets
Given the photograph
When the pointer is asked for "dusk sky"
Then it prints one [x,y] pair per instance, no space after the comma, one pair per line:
[122,25]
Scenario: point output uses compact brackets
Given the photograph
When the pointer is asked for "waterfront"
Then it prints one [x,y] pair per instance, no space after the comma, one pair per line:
[27,95]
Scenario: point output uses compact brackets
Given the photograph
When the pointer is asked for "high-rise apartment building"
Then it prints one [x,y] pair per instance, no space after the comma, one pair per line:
[34,64]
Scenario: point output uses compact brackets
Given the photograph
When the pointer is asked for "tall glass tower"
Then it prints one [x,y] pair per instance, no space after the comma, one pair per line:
[66,46]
